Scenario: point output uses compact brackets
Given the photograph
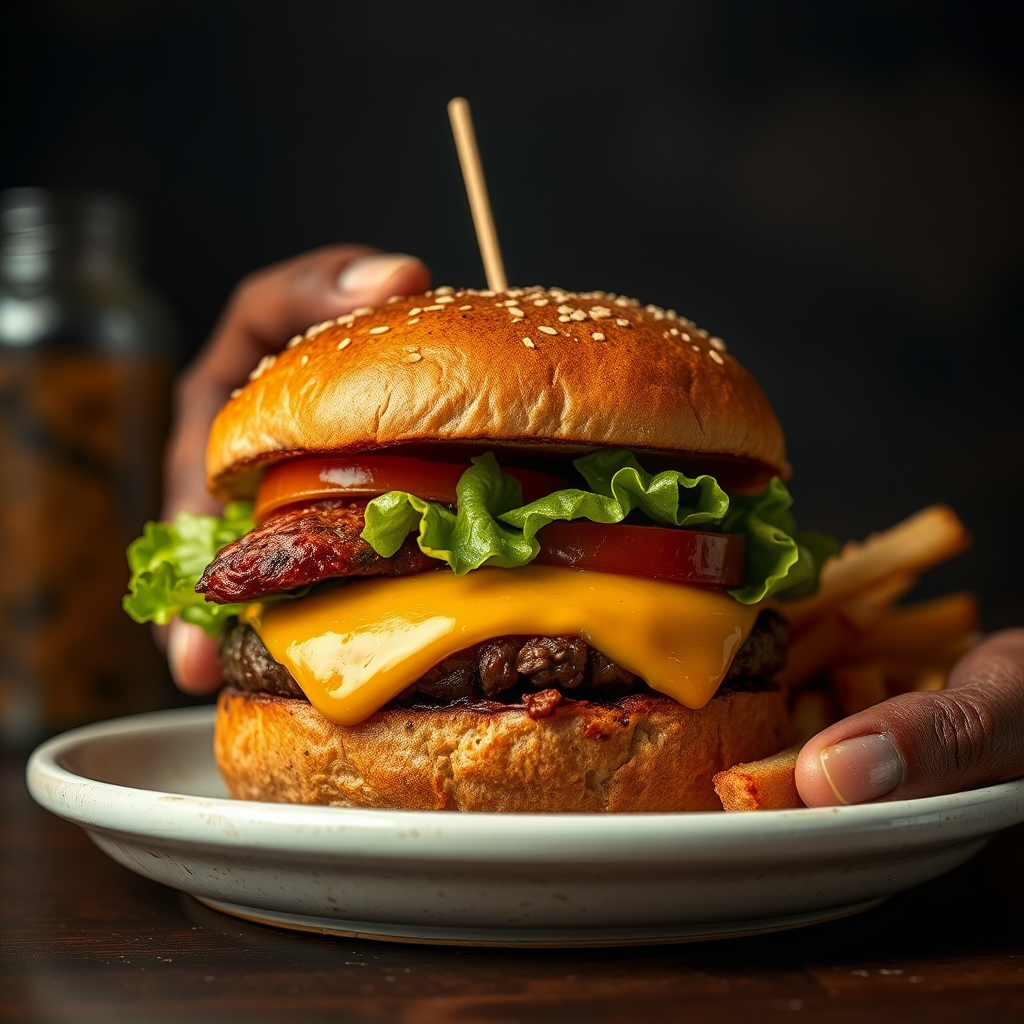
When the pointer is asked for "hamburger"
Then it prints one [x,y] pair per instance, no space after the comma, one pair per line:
[514,551]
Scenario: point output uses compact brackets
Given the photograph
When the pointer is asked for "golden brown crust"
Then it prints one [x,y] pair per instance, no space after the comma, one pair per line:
[526,367]
[643,753]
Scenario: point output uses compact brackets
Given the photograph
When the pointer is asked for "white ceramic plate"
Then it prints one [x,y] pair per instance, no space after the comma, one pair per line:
[147,791]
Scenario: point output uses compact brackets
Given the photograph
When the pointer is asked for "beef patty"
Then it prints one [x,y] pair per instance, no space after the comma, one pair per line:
[508,668]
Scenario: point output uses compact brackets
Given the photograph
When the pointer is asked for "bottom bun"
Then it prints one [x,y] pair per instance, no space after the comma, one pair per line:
[642,753]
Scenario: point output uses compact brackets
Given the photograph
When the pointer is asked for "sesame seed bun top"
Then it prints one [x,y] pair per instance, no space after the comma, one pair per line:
[530,368]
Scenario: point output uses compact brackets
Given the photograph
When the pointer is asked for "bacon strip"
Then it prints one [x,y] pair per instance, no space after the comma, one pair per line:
[301,547]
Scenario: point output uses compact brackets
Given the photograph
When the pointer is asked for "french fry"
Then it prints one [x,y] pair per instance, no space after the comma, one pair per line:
[865,608]
[937,631]
[931,679]
[932,634]
[764,785]
[907,676]
[859,686]
[812,652]
[811,711]
[925,539]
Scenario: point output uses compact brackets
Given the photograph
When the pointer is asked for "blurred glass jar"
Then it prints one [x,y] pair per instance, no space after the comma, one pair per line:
[85,369]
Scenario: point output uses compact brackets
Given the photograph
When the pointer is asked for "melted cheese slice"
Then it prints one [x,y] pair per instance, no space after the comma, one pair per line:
[354,648]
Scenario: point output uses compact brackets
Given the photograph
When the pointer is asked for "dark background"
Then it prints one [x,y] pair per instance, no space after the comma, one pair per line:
[833,188]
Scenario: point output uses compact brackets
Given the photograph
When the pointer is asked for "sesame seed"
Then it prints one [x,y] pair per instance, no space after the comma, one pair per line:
[343,320]
[528,343]
[516,311]
[317,328]
[547,330]
[622,301]
[717,343]
[344,343]
[415,310]
[395,298]
[236,392]
[577,314]
[414,320]
[412,357]
[704,334]
[432,309]
[487,294]
[295,341]
[622,323]
[563,319]
[541,302]
[597,336]
[696,348]
[515,292]
[446,299]
[462,309]
[379,330]
[262,366]
[717,358]
[565,309]
[362,311]
[445,289]
[304,360]
[597,312]
[509,302]
[685,336]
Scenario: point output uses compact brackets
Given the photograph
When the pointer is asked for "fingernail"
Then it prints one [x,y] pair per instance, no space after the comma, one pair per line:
[370,273]
[862,768]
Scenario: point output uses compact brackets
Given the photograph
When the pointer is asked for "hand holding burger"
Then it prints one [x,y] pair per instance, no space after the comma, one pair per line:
[268,305]
[276,303]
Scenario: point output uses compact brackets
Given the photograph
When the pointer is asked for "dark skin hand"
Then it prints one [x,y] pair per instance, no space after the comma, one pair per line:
[264,311]
[914,745]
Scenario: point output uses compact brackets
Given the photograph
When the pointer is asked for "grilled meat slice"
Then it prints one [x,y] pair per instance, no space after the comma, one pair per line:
[301,547]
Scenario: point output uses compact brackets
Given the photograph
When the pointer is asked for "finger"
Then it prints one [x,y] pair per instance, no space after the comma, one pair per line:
[192,657]
[265,310]
[923,744]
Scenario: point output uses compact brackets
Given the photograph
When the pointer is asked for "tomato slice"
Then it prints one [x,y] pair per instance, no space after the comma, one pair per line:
[312,478]
[667,553]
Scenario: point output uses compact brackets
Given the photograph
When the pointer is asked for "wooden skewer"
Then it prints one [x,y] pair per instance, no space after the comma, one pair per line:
[476,188]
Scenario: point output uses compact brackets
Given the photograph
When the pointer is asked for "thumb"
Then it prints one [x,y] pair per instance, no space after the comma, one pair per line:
[925,744]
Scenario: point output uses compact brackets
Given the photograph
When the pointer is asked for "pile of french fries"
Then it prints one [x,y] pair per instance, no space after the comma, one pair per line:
[852,635]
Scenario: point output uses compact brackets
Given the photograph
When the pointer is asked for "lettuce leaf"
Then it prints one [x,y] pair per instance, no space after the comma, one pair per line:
[466,539]
[618,484]
[777,557]
[168,559]
[490,527]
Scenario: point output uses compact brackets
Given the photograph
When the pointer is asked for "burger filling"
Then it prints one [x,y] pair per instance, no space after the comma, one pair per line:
[508,669]
[701,561]
[302,547]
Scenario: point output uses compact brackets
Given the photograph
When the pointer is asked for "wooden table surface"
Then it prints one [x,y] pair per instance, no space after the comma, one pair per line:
[85,940]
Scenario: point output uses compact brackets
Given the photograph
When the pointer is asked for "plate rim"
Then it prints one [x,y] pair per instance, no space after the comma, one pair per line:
[373,833]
